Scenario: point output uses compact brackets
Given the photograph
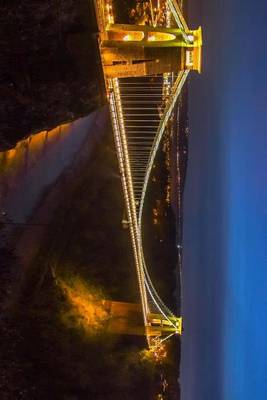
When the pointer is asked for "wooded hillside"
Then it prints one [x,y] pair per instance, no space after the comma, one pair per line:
[49,68]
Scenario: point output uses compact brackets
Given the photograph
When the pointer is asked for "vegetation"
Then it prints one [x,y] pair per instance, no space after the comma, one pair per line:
[122,10]
[50,69]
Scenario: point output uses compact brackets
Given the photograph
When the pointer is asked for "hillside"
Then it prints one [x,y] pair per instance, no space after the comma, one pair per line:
[49,70]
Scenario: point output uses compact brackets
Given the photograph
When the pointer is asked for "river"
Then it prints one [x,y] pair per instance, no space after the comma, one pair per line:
[38,161]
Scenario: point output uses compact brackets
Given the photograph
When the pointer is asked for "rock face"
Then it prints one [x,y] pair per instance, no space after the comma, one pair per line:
[50,70]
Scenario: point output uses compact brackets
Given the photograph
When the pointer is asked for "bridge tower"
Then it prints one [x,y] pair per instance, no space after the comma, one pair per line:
[137,50]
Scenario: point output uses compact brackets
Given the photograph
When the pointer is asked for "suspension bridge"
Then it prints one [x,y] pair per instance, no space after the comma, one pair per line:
[145,68]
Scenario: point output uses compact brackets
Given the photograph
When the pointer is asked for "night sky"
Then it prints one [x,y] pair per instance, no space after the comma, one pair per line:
[224,347]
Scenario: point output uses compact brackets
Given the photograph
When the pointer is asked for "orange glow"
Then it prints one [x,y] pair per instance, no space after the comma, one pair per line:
[157,352]
[10,154]
[87,306]
[151,38]
[160,36]
[133,35]
[31,148]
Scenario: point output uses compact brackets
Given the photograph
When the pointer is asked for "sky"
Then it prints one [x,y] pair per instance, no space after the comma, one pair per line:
[224,347]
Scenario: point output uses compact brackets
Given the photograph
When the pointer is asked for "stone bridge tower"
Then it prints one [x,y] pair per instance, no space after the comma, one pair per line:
[136,50]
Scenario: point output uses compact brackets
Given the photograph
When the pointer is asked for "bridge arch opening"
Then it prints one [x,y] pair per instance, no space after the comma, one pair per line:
[160,37]
[126,36]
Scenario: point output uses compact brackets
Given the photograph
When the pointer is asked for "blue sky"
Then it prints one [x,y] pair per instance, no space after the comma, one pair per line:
[224,350]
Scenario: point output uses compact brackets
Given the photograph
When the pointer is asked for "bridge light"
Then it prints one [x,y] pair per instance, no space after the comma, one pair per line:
[190,38]
[151,38]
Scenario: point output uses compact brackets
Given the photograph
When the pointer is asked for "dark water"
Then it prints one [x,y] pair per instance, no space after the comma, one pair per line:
[27,170]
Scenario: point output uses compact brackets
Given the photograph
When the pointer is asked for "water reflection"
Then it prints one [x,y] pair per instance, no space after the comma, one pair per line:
[17,161]
[36,162]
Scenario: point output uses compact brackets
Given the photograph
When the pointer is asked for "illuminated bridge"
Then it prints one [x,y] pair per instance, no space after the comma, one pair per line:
[145,68]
